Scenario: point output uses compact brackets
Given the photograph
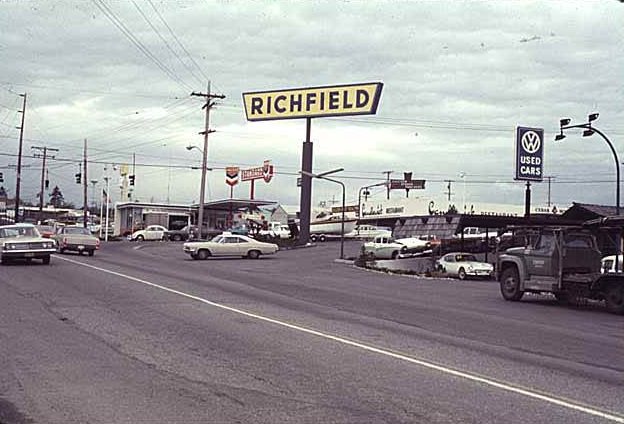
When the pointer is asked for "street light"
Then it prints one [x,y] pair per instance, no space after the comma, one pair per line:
[323,176]
[564,124]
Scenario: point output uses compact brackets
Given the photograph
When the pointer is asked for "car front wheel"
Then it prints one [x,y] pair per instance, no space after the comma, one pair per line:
[203,254]
[46,260]
[614,298]
[461,273]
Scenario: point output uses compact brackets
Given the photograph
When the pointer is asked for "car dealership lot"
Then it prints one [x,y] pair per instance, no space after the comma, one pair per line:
[143,332]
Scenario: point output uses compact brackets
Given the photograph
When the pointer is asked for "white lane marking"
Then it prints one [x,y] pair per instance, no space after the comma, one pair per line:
[461,374]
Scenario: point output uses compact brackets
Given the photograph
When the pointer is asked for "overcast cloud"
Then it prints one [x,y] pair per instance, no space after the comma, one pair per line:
[458,78]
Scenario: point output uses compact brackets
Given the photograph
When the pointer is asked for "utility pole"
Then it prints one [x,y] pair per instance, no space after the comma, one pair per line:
[202,190]
[549,178]
[387,183]
[18,176]
[85,186]
[43,170]
[448,187]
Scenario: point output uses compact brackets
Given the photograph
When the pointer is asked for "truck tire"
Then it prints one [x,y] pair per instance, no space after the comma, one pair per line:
[177,237]
[322,238]
[614,298]
[510,284]
[313,238]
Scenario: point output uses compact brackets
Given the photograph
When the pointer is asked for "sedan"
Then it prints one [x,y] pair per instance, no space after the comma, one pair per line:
[151,232]
[228,244]
[23,241]
[463,265]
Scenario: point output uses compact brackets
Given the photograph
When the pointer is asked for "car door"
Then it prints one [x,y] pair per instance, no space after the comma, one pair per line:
[229,246]
[450,265]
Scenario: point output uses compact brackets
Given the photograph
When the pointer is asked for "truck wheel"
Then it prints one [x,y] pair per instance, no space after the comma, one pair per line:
[461,273]
[322,238]
[177,237]
[203,254]
[614,298]
[510,284]
[313,238]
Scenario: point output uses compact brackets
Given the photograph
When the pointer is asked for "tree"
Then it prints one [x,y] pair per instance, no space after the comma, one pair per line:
[56,197]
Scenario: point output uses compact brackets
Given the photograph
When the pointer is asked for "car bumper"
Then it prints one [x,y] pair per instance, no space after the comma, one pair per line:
[16,254]
[78,247]
[480,272]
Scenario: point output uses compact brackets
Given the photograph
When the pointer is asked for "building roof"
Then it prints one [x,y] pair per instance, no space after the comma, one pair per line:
[235,204]
[586,211]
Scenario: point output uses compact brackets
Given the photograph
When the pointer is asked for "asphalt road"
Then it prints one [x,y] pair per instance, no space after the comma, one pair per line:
[140,333]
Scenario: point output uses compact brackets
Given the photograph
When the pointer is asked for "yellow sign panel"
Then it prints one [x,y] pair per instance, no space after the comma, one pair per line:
[313,102]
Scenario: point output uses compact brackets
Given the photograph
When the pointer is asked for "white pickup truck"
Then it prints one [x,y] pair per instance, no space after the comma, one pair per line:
[276,229]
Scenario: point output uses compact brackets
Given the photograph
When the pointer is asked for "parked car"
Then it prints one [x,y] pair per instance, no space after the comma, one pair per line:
[46,231]
[276,229]
[151,232]
[414,244]
[23,241]
[188,232]
[76,239]
[607,264]
[366,231]
[463,265]
[228,244]
[383,247]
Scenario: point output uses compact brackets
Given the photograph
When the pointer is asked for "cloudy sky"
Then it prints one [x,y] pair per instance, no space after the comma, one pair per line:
[458,76]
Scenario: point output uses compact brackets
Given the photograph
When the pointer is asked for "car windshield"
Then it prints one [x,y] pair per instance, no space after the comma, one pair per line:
[217,239]
[18,231]
[465,258]
[76,230]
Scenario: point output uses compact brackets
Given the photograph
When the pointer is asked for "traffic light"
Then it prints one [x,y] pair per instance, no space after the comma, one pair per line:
[78,178]
[131,178]
[47,184]
[1,177]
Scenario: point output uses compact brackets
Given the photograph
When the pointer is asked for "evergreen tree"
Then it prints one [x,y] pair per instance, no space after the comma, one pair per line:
[56,197]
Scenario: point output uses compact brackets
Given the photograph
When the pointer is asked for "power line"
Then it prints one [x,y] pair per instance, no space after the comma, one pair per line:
[137,43]
[177,40]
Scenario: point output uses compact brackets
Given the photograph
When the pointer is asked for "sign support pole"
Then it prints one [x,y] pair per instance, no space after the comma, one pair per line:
[251,195]
[305,202]
[527,201]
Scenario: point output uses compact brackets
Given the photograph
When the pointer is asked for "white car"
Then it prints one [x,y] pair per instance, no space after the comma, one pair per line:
[23,241]
[228,244]
[607,264]
[414,244]
[151,232]
[366,231]
[383,247]
[463,265]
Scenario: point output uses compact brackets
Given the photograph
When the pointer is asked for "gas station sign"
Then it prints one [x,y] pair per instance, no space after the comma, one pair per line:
[314,102]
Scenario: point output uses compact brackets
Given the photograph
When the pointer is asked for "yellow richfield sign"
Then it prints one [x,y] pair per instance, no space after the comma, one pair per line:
[313,102]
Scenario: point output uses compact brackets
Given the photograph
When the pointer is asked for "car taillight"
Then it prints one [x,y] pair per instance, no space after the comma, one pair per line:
[97,244]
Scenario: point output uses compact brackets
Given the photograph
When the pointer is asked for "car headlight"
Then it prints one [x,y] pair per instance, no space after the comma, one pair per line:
[470,268]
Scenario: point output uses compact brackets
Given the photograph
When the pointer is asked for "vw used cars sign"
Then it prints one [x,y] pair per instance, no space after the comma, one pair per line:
[529,154]
[313,102]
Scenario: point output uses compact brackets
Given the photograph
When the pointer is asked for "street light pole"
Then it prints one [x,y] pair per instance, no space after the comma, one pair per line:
[564,124]
[590,130]
[323,176]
